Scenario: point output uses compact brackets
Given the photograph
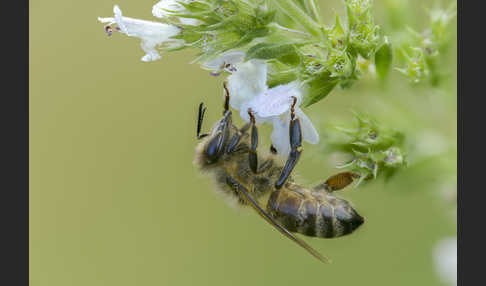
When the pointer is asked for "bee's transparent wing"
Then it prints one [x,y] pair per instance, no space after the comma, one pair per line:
[254,204]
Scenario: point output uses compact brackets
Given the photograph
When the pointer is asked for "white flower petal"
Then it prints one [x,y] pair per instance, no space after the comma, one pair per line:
[276,100]
[280,134]
[245,116]
[189,21]
[247,82]
[119,20]
[158,9]
[228,58]
[309,133]
[172,5]
[151,33]
[108,20]
[445,256]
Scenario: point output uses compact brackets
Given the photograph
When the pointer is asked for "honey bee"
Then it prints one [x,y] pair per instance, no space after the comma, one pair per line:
[229,154]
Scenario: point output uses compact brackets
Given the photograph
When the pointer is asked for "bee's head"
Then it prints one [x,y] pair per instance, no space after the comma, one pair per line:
[216,143]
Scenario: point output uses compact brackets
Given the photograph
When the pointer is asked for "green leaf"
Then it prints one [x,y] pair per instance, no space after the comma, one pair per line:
[383,59]
[270,51]
[188,37]
[195,6]
[256,33]
[266,18]
[319,87]
[351,17]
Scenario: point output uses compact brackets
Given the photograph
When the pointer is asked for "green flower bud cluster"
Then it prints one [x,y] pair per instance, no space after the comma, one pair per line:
[224,25]
[363,35]
[373,149]
[337,57]
[422,52]
[288,34]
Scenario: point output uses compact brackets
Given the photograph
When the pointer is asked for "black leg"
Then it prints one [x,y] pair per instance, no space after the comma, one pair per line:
[295,134]
[252,155]
[245,195]
[273,150]
[235,139]
[234,185]
[200,118]
[337,182]
[226,97]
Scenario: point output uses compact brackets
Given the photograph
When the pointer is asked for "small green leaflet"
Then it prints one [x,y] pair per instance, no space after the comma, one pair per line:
[383,59]
[266,51]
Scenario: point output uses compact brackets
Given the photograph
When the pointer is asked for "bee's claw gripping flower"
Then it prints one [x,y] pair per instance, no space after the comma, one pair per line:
[151,33]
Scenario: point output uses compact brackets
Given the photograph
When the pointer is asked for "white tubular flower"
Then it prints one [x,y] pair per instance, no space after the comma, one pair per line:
[445,256]
[274,106]
[248,89]
[151,33]
[247,82]
[248,79]
[159,10]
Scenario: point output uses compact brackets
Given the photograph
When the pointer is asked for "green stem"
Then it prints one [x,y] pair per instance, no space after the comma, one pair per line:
[276,25]
[315,10]
[299,16]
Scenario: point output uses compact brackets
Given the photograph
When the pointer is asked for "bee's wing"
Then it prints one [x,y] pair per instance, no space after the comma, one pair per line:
[254,204]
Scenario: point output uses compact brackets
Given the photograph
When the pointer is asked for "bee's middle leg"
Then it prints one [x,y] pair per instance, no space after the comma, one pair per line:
[235,139]
[252,153]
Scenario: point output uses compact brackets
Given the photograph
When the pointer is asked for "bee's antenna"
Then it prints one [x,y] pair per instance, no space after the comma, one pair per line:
[200,118]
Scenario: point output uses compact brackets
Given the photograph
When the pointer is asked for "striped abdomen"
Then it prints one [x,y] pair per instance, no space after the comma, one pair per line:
[313,213]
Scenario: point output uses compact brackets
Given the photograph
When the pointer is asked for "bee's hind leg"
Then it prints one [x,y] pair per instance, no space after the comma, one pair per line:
[295,145]
[337,182]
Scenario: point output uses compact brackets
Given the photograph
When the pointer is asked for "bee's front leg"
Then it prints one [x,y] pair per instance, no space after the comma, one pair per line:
[252,154]
[295,134]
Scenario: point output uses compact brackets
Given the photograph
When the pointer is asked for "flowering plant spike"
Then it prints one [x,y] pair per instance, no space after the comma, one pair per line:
[270,50]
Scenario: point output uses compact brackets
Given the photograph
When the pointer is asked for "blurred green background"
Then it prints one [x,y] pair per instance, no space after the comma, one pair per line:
[116,200]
